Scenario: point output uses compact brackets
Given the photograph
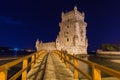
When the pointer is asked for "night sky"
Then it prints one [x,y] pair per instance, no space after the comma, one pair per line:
[23,21]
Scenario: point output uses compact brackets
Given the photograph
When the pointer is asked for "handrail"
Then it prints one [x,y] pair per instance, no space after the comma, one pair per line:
[34,58]
[96,68]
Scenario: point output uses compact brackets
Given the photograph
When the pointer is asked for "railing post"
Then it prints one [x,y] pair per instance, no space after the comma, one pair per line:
[24,73]
[75,62]
[36,59]
[67,59]
[33,61]
[59,53]
[3,75]
[63,57]
[39,53]
[96,73]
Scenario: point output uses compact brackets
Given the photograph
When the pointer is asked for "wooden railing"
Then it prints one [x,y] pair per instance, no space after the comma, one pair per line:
[25,65]
[96,68]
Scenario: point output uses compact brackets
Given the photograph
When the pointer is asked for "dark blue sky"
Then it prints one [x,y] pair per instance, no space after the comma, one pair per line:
[23,21]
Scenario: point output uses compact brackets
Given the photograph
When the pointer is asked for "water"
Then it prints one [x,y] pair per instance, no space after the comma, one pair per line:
[111,61]
[10,55]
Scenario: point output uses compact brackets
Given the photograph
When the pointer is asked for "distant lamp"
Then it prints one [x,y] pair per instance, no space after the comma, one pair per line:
[15,51]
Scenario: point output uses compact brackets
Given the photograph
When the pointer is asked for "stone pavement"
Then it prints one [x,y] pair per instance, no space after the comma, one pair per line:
[38,71]
[54,70]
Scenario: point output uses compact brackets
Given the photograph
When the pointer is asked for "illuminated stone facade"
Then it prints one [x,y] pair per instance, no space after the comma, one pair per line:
[72,35]
[47,46]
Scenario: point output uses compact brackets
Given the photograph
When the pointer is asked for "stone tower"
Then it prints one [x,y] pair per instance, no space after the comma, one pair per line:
[72,35]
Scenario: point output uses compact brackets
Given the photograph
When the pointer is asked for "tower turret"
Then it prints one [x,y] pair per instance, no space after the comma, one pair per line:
[37,44]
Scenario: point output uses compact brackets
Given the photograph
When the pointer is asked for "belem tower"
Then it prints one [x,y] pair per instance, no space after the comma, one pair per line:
[72,36]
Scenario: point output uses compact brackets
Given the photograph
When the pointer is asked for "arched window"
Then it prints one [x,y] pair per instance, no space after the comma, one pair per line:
[67,39]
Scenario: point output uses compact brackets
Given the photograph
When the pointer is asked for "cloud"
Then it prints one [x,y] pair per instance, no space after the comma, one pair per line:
[9,20]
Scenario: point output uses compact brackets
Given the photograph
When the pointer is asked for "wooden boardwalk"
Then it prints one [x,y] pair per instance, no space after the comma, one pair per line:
[43,66]
[50,67]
